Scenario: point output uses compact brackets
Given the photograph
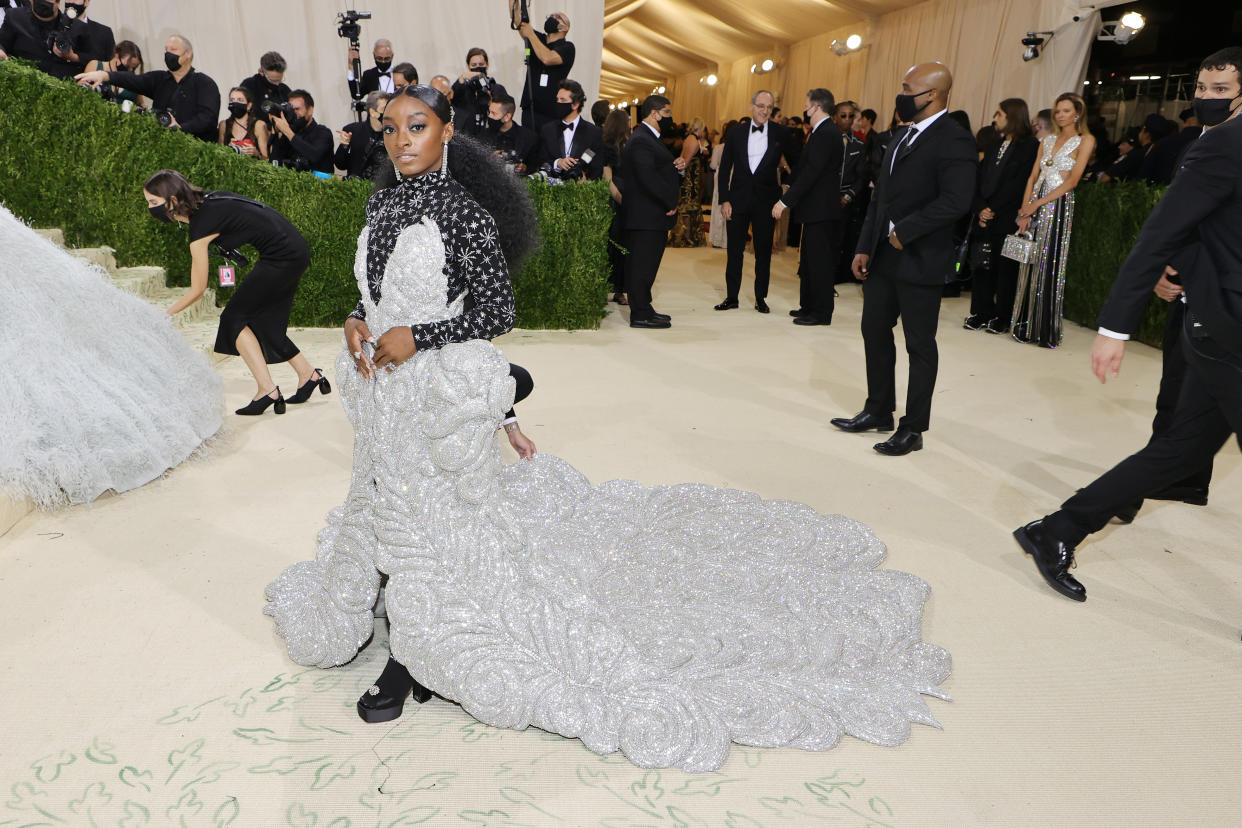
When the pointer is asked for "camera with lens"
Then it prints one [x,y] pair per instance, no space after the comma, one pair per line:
[297,164]
[107,91]
[347,24]
[164,117]
[274,107]
[62,36]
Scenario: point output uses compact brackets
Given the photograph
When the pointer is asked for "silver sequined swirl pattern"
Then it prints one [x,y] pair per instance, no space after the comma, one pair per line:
[666,622]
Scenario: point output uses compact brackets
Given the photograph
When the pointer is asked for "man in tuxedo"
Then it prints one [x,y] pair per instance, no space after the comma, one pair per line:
[565,142]
[926,183]
[652,185]
[855,189]
[376,79]
[813,198]
[749,184]
[1202,209]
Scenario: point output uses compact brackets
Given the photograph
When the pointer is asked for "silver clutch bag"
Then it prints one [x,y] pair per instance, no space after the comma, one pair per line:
[1020,247]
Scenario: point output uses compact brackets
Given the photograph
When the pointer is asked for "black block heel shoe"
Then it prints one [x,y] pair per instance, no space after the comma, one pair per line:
[260,405]
[307,388]
[385,699]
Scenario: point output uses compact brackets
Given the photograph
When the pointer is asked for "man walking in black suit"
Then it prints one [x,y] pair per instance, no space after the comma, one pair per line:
[649,204]
[749,187]
[925,184]
[1204,203]
[572,147]
[816,206]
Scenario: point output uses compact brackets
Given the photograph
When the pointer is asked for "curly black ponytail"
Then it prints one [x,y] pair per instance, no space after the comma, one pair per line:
[493,185]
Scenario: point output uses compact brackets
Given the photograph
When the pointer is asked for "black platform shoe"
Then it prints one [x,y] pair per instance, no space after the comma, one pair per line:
[385,699]
[260,405]
[307,388]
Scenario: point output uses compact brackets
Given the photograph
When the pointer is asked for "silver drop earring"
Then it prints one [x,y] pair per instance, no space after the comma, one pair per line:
[400,177]
[444,170]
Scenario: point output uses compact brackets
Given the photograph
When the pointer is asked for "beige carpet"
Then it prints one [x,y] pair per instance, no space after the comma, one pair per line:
[142,686]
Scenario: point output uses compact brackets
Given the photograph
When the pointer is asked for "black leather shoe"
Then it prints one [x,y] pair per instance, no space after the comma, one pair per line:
[1193,495]
[761,306]
[385,700]
[901,443]
[1052,558]
[995,326]
[974,322]
[650,323]
[808,319]
[728,304]
[662,316]
[797,312]
[864,421]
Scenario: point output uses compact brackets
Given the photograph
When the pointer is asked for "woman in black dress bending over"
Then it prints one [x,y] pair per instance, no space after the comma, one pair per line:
[254,323]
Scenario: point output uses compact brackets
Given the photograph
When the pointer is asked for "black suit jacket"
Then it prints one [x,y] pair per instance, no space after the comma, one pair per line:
[1002,185]
[587,136]
[930,186]
[761,189]
[813,196]
[370,82]
[651,182]
[1203,204]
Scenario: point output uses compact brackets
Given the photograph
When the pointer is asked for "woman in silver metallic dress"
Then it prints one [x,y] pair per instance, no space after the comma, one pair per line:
[1049,204]
[665,622]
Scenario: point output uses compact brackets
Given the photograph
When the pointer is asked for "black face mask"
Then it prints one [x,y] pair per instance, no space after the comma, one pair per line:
[238,110]
[383,65]
[562,110]
[551,25]
[44,9]
[298,124]
[906,107]
[173,62]
[160,212]
[494,124]
[78,10]
[1212,111]
[666,124]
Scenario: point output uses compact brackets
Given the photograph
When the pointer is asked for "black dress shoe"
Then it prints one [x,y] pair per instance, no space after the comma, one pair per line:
[797,312]
[995,326]
[761,306]
[385,699]
[663,316]
[650,323]
[728,304]
[808,319]
[1052,558]
[903,442]
[1194,495]
[864,421]
[974,322]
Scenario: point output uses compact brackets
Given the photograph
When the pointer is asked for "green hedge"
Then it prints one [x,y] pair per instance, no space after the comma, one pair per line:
[1107,220]
[70,160]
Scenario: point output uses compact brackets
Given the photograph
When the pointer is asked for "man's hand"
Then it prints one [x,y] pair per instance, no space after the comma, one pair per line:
[3,56]
[987,214]
[859,267]
[778,210]
[91,78]
[893,240]
[357,332]
[679,163]
[1166,290]
[526,30]
[726,210]
[395,347]
[67,56]
[282,125]
[566,163]
[523,445]
[350,56]
[344,136]
[172,121]
[1106,356]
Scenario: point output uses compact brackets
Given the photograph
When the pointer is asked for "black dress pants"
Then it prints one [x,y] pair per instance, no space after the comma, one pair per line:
[818,256]
[1209,410]
[758,220]
[616,251]
[641,265]
[886,299]
[992,289]
[1171,380]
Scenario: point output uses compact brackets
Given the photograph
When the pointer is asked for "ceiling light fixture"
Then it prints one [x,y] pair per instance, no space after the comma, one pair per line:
[843,47]
[1122,31]
[712,80]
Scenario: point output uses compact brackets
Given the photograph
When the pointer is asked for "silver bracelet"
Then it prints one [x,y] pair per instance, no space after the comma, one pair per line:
[510,428]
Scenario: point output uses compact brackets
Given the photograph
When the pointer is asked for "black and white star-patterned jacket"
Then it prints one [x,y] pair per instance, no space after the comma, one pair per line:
[474,262]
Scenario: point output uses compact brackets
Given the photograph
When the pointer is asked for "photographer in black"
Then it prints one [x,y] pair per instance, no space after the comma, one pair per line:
[550,61]
[180,97]
[60,44]
[376,79]
[268,83]
[298,142]
[473,91]
[516,145]
[127,57]
[361,150]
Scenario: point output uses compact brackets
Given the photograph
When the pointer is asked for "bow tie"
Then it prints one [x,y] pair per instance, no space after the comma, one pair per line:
[756,129]
[569,125]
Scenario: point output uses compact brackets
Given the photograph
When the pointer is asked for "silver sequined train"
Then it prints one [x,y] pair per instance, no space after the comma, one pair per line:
[665,622]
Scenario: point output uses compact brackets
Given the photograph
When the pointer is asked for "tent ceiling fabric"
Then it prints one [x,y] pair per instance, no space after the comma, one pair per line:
[646,42]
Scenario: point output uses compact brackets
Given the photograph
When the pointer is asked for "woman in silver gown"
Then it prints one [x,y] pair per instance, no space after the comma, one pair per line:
[1049,204]
[665,622]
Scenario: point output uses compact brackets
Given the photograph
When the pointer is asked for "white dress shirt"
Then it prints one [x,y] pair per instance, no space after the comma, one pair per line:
[385,80]
[756,144]
[568,137]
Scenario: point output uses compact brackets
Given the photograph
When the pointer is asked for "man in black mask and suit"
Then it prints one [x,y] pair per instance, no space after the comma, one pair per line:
[376,79]
[749,188]
[816,206]
[572,147]
[926,183]
[1202,209]
[651,189]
